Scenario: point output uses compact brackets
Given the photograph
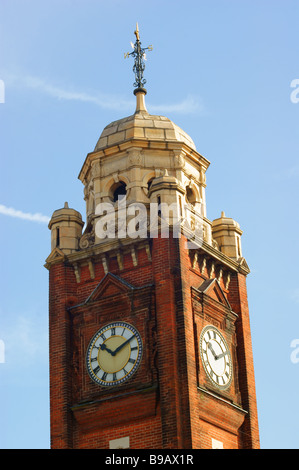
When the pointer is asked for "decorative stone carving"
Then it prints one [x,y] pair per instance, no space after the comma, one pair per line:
[211,269]
[226,279]
[119,257]
[215,244]
[148,252]
[219,274]
[195,260]
[77,272]
[95,170]
[202,176]
[203,264]
[116,177]
[134,256]
[179,161]
[105,263]
[91,269]
[135,156]
[88,238]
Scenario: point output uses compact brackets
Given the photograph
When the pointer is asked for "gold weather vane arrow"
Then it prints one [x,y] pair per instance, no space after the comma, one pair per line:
[137,32]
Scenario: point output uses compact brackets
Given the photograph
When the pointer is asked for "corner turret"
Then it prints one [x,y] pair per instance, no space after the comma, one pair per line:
[66,229]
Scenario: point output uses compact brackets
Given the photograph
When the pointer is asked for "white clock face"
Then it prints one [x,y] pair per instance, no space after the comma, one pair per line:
[114,354]
[215,356]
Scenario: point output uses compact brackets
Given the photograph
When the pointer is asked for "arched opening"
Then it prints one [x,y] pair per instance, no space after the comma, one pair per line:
[119,191]
[57,236]
[149,183]
[190,196]
[159,205]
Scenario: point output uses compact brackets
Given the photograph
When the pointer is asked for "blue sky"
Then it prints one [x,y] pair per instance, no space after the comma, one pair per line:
[220,69]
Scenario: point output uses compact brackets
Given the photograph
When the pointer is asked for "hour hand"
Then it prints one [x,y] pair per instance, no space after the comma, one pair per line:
[104,348]
[212,350]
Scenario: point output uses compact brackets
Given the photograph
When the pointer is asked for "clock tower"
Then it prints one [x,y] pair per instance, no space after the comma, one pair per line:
[150,343]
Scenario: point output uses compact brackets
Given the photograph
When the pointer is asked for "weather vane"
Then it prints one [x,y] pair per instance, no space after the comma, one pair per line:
[139,56]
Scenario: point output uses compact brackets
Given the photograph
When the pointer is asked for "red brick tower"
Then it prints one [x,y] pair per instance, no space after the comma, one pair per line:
[150,343]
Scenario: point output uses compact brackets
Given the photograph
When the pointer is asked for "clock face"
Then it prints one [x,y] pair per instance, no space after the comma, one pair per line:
[114,354]
[216,357]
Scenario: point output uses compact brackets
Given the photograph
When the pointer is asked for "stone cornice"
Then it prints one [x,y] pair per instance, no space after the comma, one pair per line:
[110,247]
[117,247]
[144,144]
[239,265]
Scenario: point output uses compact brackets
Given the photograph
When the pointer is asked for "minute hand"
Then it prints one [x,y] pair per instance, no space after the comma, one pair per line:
[220,355]
[122,346]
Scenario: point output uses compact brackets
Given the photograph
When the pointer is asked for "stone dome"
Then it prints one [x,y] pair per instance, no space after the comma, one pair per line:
[142,126]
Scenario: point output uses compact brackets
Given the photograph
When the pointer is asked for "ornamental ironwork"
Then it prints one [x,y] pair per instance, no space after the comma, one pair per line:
[139,58]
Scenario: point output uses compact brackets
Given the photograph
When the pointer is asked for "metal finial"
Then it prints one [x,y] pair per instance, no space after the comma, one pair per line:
[137,32]
[139,56]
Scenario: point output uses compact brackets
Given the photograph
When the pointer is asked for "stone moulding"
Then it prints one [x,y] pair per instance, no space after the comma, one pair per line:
[125,146]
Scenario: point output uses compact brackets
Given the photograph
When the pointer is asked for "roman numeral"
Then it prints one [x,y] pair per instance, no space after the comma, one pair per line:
[113,331]
[132,361]
[114,376]
[104,376]
[134,348]
[96,370]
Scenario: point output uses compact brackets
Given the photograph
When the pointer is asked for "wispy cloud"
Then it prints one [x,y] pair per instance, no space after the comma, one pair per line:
[289,173]
[26,337]
[295,295]
[190,104]
[292,172]
[24,215]
[105,101]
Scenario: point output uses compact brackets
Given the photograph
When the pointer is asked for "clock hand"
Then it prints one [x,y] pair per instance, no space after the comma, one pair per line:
[103,347]
[220,355]
[122,346]
[212,350]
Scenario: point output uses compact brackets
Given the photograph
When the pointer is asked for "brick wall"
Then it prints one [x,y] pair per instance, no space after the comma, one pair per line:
[249,434]
[168,403]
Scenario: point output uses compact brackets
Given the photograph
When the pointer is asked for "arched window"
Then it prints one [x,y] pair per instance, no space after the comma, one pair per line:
[118,191]
[159,205]
[190,196]
[57,236]
[149,183]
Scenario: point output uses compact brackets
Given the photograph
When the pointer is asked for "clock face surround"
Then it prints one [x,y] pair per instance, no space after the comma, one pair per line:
[114,354]
[216,357]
